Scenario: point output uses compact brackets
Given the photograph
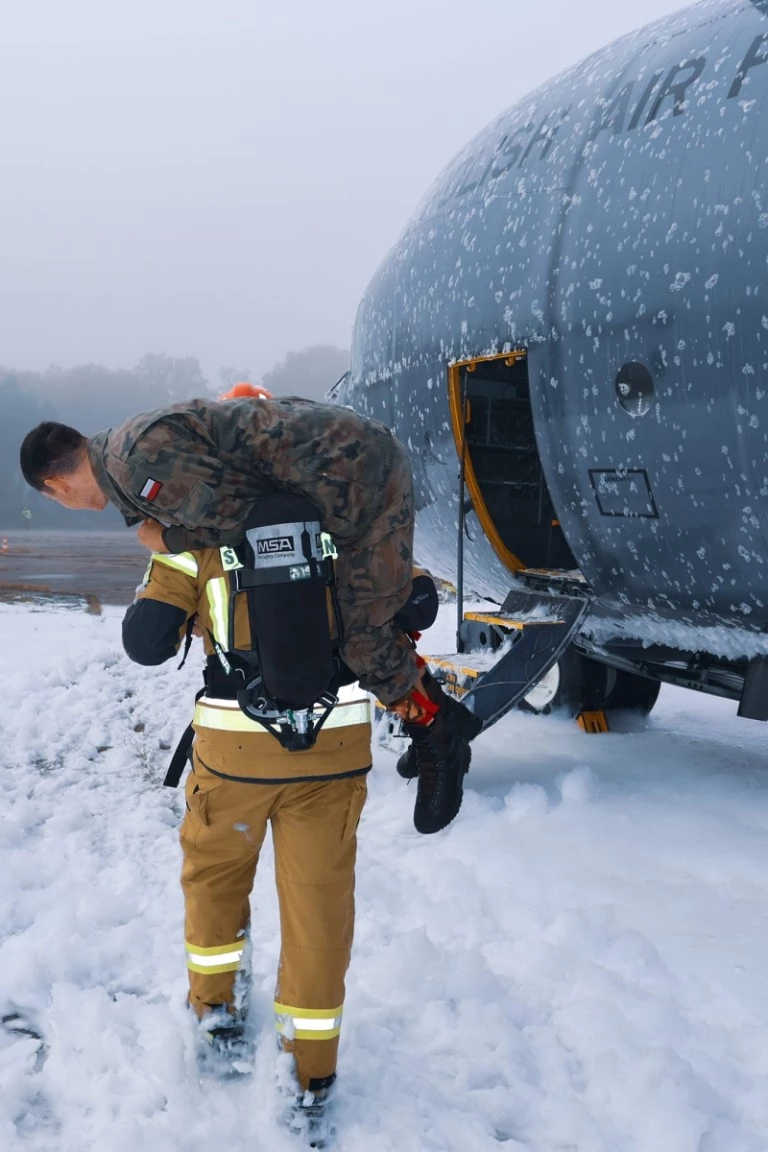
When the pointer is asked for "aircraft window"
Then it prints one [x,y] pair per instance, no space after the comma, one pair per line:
[634,388]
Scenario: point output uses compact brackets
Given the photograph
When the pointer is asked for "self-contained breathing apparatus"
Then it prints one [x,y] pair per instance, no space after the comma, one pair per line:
[287,680]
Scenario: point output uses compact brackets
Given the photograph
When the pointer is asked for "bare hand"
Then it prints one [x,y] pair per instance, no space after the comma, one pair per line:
[150,534]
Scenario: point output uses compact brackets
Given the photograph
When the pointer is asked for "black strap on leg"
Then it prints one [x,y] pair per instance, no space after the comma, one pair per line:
[188,638]
[180,757]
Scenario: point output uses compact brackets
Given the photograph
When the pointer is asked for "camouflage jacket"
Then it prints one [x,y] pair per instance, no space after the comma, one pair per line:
[198,467]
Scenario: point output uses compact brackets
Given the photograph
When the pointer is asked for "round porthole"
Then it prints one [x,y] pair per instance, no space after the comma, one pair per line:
[634,388]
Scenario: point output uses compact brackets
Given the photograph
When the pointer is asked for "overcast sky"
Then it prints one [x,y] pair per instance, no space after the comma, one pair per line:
[222,178]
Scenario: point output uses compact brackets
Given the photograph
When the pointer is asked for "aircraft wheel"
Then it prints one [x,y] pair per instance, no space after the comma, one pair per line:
[543,696]
[575,683]
[631,693]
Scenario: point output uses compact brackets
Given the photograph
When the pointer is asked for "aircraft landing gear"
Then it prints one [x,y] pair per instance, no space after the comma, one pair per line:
[631,693]
[578,684]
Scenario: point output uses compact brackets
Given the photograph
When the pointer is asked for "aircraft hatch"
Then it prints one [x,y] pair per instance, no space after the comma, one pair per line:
[501,656]
[499,459]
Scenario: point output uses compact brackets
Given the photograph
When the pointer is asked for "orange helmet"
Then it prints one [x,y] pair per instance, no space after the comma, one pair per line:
[243,390]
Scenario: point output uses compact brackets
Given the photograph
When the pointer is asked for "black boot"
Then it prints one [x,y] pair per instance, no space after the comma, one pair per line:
[442,752]
[224,1046]
[408,764]
[466,725]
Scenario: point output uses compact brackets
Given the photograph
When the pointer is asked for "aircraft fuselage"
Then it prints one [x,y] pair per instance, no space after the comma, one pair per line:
[610,230]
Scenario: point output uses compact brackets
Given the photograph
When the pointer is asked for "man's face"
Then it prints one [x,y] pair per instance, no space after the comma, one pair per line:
[77,491]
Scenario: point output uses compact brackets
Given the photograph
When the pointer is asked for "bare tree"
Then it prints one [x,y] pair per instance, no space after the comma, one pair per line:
[308,373]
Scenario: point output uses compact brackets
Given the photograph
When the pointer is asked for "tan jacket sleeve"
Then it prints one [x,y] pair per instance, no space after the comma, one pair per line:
[169,582]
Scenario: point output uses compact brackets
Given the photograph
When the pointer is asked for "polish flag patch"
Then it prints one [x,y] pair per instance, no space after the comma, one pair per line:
[151,489]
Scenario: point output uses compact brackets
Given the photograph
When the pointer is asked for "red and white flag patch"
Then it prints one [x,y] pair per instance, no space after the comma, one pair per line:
[151,489]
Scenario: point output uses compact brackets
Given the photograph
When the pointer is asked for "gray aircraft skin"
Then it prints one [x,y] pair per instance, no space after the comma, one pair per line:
[610,230]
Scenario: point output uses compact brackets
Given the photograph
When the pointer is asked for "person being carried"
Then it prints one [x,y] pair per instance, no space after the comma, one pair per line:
[189,475]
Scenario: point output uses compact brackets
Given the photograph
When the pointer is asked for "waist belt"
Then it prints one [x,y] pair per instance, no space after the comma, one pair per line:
[227,716]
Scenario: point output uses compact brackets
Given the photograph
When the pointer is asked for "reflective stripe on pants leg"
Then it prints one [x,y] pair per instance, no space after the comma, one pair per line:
[210,961]
[307,1023]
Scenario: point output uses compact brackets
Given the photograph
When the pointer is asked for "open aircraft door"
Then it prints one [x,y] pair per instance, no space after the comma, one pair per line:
[502,655]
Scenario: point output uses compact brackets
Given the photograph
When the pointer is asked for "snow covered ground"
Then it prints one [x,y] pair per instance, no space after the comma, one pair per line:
[578,963]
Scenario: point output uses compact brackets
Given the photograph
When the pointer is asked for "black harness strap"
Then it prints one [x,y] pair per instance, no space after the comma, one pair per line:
[180,758]
[188,637]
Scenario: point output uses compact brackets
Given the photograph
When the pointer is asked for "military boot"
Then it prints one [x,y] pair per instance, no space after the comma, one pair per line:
[466,725]
[440,729]
[408,764]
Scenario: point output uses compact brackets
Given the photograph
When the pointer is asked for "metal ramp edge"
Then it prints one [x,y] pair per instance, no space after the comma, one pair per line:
[536,627]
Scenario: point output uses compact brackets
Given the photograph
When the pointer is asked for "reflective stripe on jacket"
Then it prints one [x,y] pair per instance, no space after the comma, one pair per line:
[227,742]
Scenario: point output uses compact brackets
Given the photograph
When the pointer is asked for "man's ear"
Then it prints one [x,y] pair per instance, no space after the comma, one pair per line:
[55,486]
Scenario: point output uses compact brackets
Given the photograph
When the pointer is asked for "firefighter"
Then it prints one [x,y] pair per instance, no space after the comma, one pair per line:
[241,780]
[189,475]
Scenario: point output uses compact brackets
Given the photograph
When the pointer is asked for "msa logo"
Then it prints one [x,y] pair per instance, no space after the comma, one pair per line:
[274,545]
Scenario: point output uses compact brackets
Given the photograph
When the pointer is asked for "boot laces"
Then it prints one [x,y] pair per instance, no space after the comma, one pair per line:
[432,776]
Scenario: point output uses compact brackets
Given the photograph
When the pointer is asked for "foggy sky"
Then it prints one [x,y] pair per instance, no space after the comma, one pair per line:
[222,178]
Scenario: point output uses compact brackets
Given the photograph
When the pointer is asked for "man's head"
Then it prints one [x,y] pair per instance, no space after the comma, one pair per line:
[54,460]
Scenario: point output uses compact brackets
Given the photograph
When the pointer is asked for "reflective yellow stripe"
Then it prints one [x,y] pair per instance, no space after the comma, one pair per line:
[213,969]
[210,961]
[181,561]
[218,603]
[219,950]
[307,1023]
[308,1013]
[226,716]
[294,1033]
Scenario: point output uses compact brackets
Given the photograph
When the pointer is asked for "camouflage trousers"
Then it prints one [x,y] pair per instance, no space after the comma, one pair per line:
[373,581]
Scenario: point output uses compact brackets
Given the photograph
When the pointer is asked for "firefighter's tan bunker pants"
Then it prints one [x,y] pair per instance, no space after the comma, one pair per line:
[314,828]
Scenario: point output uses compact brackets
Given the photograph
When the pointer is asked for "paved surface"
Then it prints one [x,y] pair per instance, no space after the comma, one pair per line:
[104,565]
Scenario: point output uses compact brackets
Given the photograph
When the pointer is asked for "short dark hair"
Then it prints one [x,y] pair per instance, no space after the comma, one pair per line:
[49,450]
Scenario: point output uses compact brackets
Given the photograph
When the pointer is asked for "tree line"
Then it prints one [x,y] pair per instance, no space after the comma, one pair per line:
[91,397]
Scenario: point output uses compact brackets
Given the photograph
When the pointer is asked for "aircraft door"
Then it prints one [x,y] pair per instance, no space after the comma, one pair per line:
[502,469]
